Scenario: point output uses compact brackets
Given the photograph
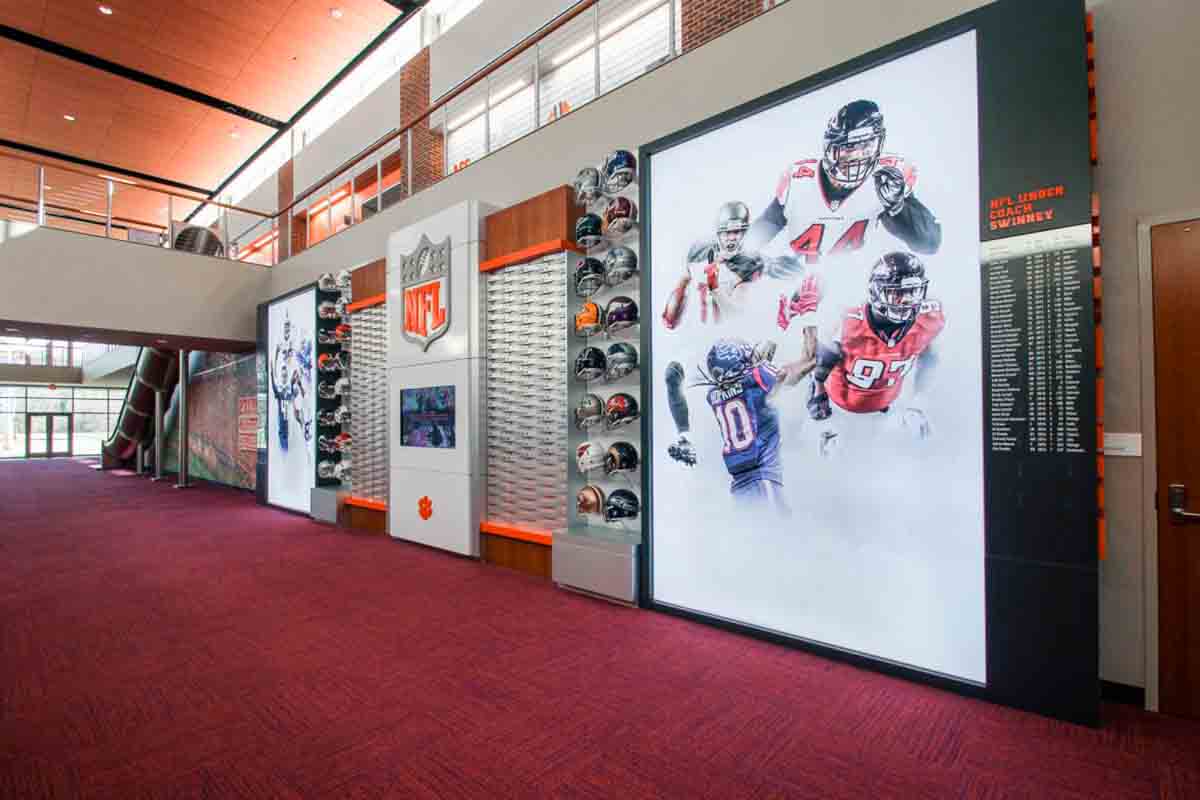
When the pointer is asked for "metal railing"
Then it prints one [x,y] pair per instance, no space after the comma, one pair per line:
[54,195]
[589,50]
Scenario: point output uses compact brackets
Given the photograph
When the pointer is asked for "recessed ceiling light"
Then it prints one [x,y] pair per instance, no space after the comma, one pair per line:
[234,135]
[69,117]
[160,341]
[106,10]
[336,13]
[13,330]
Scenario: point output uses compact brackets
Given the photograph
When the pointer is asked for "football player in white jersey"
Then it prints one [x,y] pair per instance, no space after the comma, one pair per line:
[822,209]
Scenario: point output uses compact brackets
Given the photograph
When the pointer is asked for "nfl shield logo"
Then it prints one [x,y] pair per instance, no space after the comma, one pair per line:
[425,289]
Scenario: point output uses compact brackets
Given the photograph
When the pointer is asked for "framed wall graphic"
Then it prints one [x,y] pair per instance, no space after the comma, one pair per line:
[871,371]
[291,400]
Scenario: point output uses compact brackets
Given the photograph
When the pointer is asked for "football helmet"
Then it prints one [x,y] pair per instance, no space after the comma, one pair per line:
[342,305]
[341,470]
[621,457]
[328,310]
[589,413]
[619,170]
[621,504]
[589,456]
[897,287]
[622,359]
[327,470]
[327,337]
[621,313]
[327,362]
[343,280]
[620,216]
[589,230]
[589,320]
[733,220]
[589,276]
[729,359]
[587,186]
[342,333]
[327,444]
[328,391]
[620,265]
[326,419]
[327,283]
[853,143]
[590,364]
[621,409]
[589,500]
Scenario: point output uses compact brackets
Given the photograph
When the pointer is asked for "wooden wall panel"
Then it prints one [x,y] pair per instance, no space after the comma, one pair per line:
[527,557]
[369,279]
[547,217]
[287,183]
[363,519]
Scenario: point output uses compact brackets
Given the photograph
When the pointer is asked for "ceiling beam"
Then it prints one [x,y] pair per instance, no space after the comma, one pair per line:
[144,78]
[100,165]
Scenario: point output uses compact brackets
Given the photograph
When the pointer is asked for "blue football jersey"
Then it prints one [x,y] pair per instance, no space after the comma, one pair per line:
[749,426]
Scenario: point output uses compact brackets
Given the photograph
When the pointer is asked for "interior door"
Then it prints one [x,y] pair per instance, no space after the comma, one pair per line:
[1175,261]
[37,435]
[61,434]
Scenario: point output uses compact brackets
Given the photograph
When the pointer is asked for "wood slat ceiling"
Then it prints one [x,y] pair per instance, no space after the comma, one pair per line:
[270,56]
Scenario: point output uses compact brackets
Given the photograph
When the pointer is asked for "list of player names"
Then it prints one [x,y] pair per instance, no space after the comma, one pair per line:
[1037,312]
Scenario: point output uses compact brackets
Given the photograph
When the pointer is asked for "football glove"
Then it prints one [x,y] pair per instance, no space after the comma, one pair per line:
[892,189]
[916,422]
[764,351]
[683,452]
[819,407]
[804,300]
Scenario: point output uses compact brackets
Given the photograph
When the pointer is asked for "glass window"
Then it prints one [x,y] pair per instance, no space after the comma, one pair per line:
[633,38]
[12,435]
[91,430]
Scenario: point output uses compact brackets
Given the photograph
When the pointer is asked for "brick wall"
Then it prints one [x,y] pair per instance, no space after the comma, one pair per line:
[704,20]
[428,147]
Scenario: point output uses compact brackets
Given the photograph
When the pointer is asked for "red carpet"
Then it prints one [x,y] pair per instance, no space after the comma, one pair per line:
[165,643]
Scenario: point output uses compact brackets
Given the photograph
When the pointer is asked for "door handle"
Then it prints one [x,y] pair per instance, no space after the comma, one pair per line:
[1177,503]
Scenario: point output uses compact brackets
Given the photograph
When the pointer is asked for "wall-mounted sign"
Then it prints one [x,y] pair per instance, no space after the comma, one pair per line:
[425,286]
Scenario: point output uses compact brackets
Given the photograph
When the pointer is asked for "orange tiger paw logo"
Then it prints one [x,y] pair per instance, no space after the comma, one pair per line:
[425,507]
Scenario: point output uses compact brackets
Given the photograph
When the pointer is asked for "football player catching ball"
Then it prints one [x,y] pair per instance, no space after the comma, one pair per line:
[742,384]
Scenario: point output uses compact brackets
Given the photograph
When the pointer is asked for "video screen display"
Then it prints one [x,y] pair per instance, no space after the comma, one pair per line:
[292,403]
[427,417]
[817,438]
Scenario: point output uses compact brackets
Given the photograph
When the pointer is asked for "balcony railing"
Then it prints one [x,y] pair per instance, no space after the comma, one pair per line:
[591,49]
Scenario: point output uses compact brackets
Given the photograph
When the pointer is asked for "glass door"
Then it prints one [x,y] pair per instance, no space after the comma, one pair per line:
[48,435]
[61,434]
[37,435]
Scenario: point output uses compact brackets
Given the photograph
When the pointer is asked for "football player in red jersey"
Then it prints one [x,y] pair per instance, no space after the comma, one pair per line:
[862,370]
[819,203]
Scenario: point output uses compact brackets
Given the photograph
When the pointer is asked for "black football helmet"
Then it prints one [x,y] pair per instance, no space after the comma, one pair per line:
[853,143]
[621,504]
[589,230]
[621,457]
[590,364]
[589,276]
[897,287]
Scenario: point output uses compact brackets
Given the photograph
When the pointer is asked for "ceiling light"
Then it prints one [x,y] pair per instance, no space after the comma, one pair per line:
[234,135]
[13,330]
[336,13]
[106,10]
[69,117]
[160,341]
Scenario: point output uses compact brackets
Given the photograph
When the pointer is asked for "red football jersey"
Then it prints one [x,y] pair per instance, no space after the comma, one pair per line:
[872,371]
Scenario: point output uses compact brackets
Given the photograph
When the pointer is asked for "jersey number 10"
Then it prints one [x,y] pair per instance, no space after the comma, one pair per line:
[737,429]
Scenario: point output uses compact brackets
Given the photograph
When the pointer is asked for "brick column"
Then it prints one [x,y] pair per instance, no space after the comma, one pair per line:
[428,147]
[704,20]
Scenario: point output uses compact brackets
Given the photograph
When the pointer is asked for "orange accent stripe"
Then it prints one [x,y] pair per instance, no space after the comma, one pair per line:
[367,302]
[513,532]
[1102,538]
[528,254]
[374,505]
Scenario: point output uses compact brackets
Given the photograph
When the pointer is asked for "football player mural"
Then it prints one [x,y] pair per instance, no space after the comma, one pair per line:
[826,482]
[292,384]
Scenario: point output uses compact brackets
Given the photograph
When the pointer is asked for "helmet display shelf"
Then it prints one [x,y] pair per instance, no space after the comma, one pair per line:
[597,554]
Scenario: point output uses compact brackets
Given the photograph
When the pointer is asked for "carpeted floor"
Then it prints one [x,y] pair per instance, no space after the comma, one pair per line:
[159,643]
